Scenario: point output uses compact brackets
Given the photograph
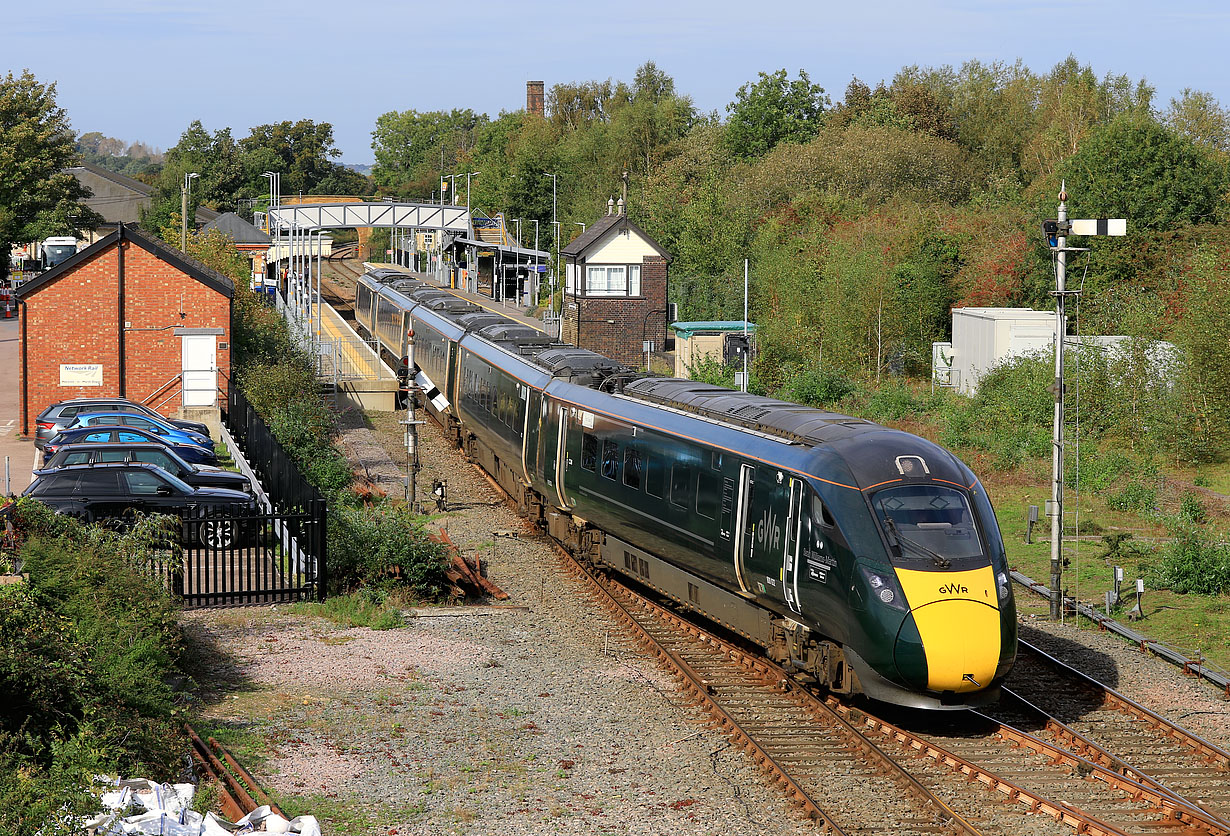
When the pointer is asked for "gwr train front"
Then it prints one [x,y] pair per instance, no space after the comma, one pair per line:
[930,591]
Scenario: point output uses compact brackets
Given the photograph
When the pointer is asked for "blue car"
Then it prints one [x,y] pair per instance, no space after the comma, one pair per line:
[158,426]
[189,452]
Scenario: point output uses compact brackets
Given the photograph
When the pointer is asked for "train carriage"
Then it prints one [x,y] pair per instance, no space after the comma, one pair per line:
[866,557]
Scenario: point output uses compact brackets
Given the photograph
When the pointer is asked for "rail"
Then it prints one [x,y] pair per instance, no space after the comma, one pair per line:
[1191,667]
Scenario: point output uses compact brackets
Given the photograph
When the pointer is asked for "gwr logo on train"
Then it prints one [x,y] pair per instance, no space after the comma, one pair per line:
[769,533]
[954,589]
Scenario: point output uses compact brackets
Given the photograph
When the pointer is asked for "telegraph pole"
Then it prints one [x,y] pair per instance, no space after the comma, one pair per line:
[1057,232]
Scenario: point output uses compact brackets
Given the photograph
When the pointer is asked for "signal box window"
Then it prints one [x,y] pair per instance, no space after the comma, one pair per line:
[589,452]
[632,468]
[681,486]
[610,459]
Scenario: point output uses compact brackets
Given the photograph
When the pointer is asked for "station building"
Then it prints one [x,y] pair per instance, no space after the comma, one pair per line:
[128,316]
[615,289]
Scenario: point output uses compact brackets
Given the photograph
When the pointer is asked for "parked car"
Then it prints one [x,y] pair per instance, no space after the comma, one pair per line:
[191,453]
[197,475]
[158,426]
[59,415]
[113,492]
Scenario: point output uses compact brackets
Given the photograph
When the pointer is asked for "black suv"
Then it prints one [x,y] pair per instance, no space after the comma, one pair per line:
[59,415]
[114,492]
[196,475]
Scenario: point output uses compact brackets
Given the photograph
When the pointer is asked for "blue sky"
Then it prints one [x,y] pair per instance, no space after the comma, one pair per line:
[143,69]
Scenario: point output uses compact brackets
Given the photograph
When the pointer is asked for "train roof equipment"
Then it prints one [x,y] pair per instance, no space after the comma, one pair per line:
[781,418]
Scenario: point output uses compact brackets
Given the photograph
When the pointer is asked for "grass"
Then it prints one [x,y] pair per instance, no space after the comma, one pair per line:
[1195,624]
[365,608]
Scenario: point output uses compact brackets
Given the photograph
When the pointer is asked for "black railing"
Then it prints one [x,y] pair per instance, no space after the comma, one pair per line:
[294,535]
[288,490]
[240,555]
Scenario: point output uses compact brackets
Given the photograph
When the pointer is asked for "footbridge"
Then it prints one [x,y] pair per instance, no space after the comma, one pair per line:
[425,216]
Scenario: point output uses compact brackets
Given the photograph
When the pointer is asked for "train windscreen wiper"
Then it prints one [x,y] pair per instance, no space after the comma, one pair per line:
[938,559]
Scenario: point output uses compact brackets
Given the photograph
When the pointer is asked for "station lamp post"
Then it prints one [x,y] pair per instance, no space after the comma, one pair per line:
[183,199]
[554,225]
[469,174]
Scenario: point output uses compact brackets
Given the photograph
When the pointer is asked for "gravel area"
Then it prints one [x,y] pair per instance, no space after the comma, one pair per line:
[535,718]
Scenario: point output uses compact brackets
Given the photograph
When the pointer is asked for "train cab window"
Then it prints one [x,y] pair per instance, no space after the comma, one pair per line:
[681,485]
[632,468]
[655,476]
[707,495]
[589,452]
[928,522]
[610,459]
[820,512]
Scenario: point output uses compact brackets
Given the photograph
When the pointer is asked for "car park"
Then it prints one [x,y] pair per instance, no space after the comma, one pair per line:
[191,453]
[115,492]
[158,426]
[197,475]
[59,415]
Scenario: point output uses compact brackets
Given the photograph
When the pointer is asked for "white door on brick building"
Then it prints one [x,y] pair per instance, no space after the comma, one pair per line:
[200,369]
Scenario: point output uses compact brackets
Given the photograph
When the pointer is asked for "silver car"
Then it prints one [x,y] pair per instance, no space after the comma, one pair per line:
[59,415]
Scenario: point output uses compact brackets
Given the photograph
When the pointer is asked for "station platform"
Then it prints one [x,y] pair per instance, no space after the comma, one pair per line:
[522,314]
[354,367]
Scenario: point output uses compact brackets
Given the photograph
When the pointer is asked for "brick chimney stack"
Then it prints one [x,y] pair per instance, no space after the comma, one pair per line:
[535,100]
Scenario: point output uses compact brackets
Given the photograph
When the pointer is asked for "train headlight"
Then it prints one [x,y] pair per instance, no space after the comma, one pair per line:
[1001,581]
[884,586]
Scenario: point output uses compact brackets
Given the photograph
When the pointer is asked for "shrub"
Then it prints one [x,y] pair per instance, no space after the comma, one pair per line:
[384,544]
[1098,471]
[1191,563]
[823,388]
[1134,497]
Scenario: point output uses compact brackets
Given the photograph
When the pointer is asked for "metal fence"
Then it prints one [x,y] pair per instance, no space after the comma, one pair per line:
[288,490]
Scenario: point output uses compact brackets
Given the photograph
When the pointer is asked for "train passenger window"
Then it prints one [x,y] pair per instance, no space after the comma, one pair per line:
[610,459]
[655,476]
[706,495]
[681,485]
[632,468]
[820,512]
[589,452]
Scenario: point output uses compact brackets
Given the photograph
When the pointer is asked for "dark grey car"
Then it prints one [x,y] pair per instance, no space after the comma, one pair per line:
[197,475]
[59,415]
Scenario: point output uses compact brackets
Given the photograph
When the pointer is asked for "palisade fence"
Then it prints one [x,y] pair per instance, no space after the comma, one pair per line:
[273,555]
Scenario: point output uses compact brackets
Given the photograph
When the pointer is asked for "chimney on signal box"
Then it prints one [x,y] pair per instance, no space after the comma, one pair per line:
[535,101]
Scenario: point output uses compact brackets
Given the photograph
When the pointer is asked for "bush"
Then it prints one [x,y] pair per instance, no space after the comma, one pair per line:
[1191,563]
[1134,497]
[381,545]
[88,649]
[1098,471]
[823,388]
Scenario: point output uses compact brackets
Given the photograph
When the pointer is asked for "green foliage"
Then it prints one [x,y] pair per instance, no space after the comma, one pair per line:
[823,388]
[1009,417]
[88,649]
[1097,471]
[1192,510]
[1136,497]
[384,545]
[1191,563]
[410,145]
[373,607]
[773,110]
[37,197]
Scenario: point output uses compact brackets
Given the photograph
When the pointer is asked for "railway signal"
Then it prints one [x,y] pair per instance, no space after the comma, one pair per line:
[1057,232]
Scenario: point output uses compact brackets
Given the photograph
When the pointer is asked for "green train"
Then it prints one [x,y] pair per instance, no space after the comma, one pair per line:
[866,558]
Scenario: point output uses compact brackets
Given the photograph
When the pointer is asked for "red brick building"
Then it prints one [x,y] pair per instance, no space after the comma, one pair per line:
[131,317]
[615,290]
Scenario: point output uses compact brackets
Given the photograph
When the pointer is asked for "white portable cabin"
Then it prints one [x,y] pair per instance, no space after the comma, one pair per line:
[983,338]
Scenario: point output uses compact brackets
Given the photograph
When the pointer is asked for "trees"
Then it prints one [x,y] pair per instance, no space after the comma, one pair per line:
[774,110]
[1197,116]
[304,152]
[412,149]
[37,197]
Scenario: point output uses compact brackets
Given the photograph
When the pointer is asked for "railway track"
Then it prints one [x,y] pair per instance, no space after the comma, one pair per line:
[238,792]
[960,772]
[1092,720]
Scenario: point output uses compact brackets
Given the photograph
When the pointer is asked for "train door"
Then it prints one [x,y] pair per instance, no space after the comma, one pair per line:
[790,555]
[561,455]
[529,433]
[744,524]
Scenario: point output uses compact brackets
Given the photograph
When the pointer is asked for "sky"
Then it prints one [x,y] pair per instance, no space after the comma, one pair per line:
[144,69]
